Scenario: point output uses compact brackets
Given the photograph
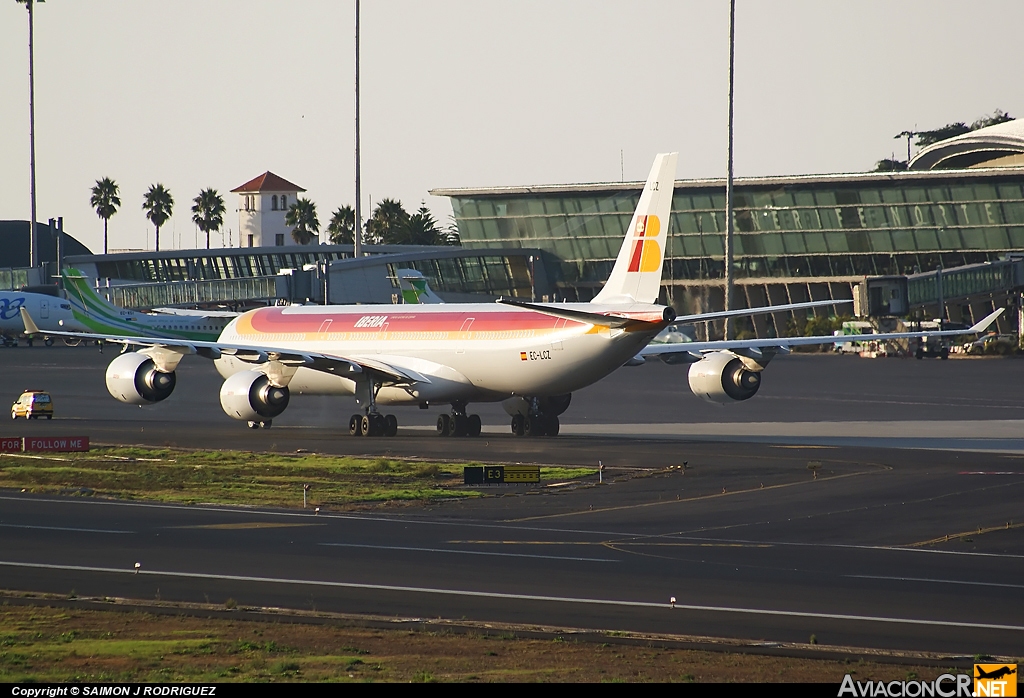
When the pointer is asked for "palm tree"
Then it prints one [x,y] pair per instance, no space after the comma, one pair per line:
[341,229]
[302,218]
[208,212]
[422,229]
[157,203]
[105,200]
[389,223]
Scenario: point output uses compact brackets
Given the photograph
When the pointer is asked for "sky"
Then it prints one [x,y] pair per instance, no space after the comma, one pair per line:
[457,93]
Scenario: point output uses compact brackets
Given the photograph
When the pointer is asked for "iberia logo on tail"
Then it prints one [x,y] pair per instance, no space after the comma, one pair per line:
[646,253]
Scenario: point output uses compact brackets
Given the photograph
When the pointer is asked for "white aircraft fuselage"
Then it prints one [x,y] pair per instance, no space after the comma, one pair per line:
[477,352]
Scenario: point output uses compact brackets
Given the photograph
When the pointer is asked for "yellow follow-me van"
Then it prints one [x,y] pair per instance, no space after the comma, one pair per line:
[33,404]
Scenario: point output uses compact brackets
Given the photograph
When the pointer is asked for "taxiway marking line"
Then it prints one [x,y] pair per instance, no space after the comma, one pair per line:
[468,552]
[63,528]
[702,497]
[519,597]
[610,542]
[935,581]
[245,526]
[945,539]
[477,523]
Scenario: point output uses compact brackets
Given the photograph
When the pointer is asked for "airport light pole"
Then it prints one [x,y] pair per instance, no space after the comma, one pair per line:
[728,180]
[357,247]
[33,252]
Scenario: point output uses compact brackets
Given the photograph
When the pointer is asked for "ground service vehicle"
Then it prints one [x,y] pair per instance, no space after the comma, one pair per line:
[33,404]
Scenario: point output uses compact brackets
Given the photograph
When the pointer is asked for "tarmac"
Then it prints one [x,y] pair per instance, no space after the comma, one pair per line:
[906,533]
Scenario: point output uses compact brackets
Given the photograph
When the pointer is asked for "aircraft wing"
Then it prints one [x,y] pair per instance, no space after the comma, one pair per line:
[697,348]
[318,361]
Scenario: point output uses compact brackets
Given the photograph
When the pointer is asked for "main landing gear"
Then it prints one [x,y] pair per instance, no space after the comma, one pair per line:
[373,424]
[535,425]
[458,423]
[265,424]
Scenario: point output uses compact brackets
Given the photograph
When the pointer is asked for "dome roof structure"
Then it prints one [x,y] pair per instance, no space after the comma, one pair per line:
[1001,145]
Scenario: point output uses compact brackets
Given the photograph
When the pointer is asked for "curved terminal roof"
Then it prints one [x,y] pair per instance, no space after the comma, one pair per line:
[1001,145]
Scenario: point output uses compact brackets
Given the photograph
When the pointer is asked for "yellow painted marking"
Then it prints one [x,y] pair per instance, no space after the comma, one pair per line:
[695,499]
[246,526]
[953,536]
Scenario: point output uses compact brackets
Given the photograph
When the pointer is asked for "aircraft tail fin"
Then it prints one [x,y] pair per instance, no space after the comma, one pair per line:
[636,276]
[415,288]
[84,298]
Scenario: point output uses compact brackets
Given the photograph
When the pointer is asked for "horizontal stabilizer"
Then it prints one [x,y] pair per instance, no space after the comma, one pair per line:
[703,317]
[614,321]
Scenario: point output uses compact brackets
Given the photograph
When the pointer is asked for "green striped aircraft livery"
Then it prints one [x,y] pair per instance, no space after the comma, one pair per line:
[101,316]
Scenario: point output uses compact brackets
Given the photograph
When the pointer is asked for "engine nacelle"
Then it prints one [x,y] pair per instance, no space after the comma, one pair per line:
[249,396]
[722,378]
[133,378]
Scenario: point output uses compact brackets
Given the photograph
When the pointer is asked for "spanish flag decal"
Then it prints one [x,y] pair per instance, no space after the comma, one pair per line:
[522,356]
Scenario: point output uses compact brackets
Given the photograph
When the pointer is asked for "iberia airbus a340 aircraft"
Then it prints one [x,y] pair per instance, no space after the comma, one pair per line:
[529,356]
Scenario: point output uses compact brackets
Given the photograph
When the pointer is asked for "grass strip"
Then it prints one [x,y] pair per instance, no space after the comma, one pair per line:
[240,477]
[47,644]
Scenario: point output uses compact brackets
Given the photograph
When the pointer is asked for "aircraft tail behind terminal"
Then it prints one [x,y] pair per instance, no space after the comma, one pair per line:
[636,276]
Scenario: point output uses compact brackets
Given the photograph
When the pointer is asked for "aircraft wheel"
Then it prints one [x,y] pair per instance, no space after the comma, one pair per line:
[532,427]
[353,424]
[518,425]
[49,416]
[252,425]
[473,425]
[48,341]
[443,423]
[552,426]
[266,424]
[456,425]
[390,425]
[377,424]
[365,425]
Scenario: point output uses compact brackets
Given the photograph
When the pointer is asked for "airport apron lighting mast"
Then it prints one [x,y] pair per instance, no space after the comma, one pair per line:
[728,180]
[357,234]
[33,253]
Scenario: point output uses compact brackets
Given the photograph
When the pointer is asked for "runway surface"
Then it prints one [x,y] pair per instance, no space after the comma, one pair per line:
[750,543]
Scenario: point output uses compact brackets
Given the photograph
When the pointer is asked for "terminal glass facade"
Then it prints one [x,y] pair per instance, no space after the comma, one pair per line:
[823,228]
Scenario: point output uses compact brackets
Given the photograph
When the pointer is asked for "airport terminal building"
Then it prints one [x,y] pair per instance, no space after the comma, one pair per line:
[796,237]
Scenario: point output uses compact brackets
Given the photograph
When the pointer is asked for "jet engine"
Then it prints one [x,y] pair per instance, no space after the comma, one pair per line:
[249,396]
[722,377]
[133,378]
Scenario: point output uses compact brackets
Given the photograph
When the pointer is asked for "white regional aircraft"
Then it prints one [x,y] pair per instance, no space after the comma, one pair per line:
[530,356]
[54,313]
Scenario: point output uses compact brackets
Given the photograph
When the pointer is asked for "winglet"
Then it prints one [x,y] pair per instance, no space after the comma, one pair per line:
[979,326]
[30,326]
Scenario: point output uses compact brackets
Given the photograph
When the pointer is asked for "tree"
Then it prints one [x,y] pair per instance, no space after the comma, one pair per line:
[105,200]
[389,223]
[303,220]
[208,212]
[422,229]
[341,229]
[998,117]
[890,165]
[940,134]
[157,203]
